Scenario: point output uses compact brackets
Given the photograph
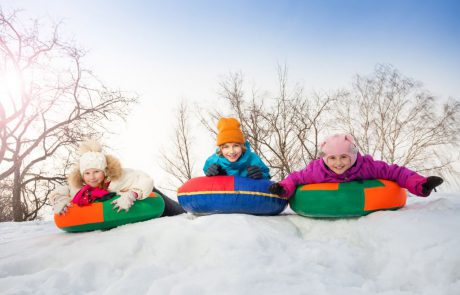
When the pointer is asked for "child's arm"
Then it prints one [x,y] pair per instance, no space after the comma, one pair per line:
[137,181]
[212,160]
[60,199]
[134,185]
[257,161]
[290,183]
[143,186]
[296,178]
[265,171]
[405,177]
[212,166]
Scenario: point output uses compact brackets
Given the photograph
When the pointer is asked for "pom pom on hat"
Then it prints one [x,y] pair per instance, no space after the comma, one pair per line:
[339,144]
[91,156]
[89,145]
[228,130]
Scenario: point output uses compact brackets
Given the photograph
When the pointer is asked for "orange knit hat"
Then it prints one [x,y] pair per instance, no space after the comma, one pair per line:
[228,130]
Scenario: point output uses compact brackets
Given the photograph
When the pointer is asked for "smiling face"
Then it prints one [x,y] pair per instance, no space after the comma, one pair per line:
[339,163]
[231,151]
[93,177]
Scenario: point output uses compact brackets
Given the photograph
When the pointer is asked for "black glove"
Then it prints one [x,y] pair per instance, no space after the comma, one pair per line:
[276,189]
[214,170]
[431,183]
[254,172]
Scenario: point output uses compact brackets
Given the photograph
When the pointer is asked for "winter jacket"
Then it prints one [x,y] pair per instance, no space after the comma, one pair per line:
[128,180]
[365,167]
[240,167]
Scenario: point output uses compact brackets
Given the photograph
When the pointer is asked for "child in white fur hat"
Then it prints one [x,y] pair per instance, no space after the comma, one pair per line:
[97,174]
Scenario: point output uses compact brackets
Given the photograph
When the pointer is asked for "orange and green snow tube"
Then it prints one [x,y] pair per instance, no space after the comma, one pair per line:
[347,199]
[101,215]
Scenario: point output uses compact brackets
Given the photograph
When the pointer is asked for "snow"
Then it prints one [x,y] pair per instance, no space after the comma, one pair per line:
[415,250]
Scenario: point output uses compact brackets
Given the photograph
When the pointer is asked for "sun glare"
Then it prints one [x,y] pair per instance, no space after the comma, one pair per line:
[10,85]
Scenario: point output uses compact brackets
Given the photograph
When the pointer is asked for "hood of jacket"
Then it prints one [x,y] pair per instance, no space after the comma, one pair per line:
[113,172]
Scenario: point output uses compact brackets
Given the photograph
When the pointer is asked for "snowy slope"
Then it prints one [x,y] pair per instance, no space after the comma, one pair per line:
[415,250]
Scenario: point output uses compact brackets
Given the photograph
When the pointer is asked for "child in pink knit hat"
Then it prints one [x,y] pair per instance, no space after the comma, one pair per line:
[339,152]
[341,162]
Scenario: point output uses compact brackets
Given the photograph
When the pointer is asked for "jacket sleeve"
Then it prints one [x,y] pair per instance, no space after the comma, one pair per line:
[137,181]
[265,171]
[296,178]
[257,161]
[405,177]
[211,160]
[144,185]
[61,195]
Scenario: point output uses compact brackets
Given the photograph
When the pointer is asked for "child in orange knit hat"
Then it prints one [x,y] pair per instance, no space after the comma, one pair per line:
[233,155]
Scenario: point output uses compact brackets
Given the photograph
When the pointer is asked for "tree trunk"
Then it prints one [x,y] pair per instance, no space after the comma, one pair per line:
[18,213]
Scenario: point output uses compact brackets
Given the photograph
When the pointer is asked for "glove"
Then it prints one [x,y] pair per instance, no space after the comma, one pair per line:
[254,172]
[276,189]
[125,201]
[431,183]
[215,170]
[61,205]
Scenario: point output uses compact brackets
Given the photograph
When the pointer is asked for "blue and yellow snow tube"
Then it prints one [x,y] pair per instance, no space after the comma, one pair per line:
[101,215]
[229,194]
[347,199]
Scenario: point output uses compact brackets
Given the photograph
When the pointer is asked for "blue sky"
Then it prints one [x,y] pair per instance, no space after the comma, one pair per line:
[171,50]
[324,43]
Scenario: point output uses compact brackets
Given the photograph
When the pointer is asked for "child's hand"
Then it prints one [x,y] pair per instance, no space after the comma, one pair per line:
[61,205]
[430,184]
[125,201]
[254,172]
[276,189]
[215,170]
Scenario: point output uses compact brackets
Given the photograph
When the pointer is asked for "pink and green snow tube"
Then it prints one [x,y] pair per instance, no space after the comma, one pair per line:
[347,199]
[101,215]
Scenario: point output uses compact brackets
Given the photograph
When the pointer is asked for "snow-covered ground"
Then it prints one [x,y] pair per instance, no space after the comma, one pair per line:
[415,250]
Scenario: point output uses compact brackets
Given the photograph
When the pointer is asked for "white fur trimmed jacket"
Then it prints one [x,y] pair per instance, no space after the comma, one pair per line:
[125,180]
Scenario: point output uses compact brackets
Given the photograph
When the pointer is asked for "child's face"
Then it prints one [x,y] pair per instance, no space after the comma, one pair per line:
[231,151]
[93,177]
[338,163]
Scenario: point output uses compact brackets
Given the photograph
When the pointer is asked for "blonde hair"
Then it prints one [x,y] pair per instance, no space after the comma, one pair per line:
[243,148]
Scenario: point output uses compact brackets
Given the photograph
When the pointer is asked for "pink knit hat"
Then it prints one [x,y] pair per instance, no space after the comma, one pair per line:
[339,144]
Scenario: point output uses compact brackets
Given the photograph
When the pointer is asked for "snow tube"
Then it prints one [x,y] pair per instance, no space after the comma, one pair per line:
[347,199]
[229,194]
[101,215]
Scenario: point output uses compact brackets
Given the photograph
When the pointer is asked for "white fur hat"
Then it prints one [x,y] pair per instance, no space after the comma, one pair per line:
[94,160]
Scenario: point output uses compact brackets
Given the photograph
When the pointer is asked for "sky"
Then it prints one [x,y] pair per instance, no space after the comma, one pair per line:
[168,51]
[411,251]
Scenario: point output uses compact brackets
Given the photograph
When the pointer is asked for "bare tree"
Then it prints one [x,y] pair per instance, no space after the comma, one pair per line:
[178,162]
[53,103]
[283,130]
[394,119]
[6,214]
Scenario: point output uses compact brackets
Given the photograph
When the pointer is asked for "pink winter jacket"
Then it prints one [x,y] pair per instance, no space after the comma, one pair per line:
[364,168]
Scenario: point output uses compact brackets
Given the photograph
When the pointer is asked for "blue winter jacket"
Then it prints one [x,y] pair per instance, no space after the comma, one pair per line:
[240,167]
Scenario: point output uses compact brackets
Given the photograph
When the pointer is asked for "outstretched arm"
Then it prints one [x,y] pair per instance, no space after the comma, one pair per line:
[405,177]
[60,199]
[296,178]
